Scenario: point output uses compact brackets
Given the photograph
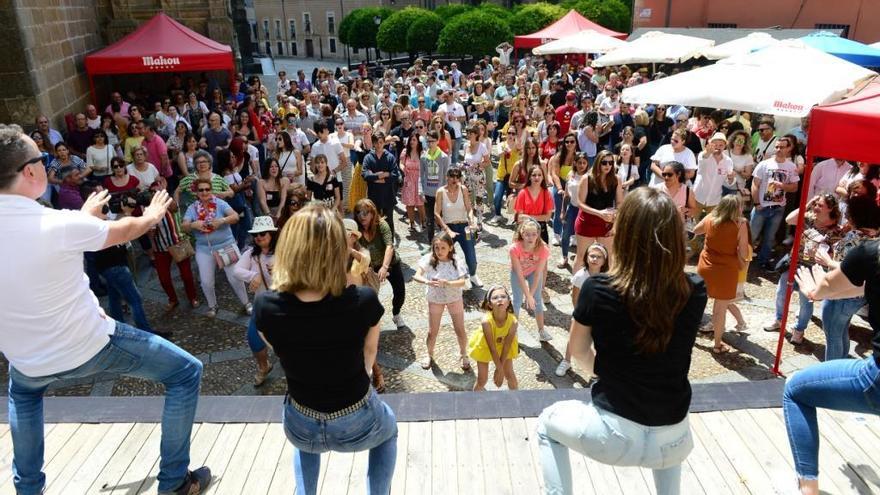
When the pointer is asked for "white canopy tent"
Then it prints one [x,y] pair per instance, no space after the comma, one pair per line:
[586,41]
[875,45]
[746,44]
[786,79]
[655,47]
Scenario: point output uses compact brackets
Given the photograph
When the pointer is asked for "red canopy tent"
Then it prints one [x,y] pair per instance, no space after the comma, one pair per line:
[570,23]
[160,45]
[846,129]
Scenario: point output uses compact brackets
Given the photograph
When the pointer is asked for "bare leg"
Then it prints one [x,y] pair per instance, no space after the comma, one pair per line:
[719,314]
[582,244]
[411,215]
[262,359]
[512,382]
[434,315]
[809,487]
[734,310]
[482,376]
[422,220]
[457,314]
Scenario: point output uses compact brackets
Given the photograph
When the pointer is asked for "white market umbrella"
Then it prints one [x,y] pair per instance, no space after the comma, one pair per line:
[586,41]
[746,44]
[785,79]
[655,47]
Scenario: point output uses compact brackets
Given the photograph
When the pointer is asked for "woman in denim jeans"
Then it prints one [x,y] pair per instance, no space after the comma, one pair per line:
[840,384]
[863,216]
[310,318]
[643,323]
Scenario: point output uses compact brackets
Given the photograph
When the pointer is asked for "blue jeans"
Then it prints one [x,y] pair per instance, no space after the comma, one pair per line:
[120,285]
[373,427]
[836,315]
[806,306]
[130,352]
[519,296]
[765,222]
[841,385]
[467,246]
[557,212]
[571,214]
[609,439]
[501,188]
[255,342]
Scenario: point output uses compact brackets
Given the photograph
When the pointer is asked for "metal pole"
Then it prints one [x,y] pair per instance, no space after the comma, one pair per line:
[795,249]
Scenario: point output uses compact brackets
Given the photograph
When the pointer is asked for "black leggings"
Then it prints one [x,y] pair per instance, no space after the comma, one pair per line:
[398,288]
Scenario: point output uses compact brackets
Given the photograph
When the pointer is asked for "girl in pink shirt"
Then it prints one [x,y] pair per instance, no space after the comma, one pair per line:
[528,263]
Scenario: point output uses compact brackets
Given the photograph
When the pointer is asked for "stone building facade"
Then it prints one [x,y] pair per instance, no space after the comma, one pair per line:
[44,43]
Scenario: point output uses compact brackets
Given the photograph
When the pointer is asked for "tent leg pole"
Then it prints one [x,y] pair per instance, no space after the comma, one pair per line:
[795,248]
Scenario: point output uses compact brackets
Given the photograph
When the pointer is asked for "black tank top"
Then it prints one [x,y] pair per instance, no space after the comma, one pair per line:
[599,199]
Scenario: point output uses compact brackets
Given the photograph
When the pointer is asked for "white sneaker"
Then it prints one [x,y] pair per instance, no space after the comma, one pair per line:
[563,368]
[475,281]
[249,309]
[544,335]
[398,320]
[557,239]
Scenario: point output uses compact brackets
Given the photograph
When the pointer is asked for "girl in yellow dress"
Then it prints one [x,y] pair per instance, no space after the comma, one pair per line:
[498,327]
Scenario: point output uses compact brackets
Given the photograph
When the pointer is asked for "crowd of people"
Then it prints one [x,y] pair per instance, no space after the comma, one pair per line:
[291,191]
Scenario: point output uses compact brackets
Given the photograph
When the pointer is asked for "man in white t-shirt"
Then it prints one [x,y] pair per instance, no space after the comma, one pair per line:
[675,151]
[713,168]
[337,159]
[771,179]
[54,328]
[455,115]
[826,176]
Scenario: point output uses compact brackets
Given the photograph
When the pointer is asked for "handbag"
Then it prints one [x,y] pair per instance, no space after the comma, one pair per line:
[181,251]
[225,256]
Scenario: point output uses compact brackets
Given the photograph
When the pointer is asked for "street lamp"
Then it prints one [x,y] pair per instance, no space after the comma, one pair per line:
[378,20]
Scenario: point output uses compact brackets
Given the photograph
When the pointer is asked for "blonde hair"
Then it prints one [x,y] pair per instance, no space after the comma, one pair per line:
[311,253]
[528,223]
[729,209]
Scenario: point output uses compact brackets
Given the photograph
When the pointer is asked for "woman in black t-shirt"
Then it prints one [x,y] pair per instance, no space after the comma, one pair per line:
[838,384]
[310,318]
[643,323]
[324,186]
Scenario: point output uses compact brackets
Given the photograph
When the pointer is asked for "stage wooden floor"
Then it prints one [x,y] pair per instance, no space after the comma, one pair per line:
[736,452]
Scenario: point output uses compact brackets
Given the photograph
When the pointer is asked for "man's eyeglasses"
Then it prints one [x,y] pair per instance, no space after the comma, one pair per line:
[29,162]
[201,190]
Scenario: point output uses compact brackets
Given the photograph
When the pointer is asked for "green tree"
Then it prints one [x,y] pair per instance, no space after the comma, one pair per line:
[423,33]
[360,29]
[495,10]
[392,33]
[534,17]
[612,14]
[447,12]
[473,33]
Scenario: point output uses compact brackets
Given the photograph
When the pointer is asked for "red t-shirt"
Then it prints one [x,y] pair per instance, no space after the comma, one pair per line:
[548,149]
[563,116]
[112,188]
[541,205]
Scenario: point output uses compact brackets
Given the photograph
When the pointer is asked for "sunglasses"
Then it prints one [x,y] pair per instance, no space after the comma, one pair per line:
[454,176]
[117,166]
[420,127]
[29,162]
[203,190]
[667,174]
[607,162]
[295,204]
[569,141]
[261,234]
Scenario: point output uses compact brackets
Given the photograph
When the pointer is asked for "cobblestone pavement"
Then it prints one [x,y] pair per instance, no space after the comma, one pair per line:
[229,369]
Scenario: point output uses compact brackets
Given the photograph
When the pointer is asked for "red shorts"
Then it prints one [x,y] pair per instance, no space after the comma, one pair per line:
[588,225]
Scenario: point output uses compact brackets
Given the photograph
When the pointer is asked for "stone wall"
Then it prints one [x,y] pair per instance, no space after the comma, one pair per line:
[43,44]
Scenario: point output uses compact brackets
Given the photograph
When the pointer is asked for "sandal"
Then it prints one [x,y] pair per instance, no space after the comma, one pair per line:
[427,362]
[721,349]
[171,307]
[465,363]
[261,376]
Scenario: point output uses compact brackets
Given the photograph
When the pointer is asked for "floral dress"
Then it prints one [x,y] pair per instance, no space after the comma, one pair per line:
[475,178]
[409,193]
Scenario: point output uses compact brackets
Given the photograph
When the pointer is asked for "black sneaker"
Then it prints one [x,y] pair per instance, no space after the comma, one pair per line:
[195,483]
